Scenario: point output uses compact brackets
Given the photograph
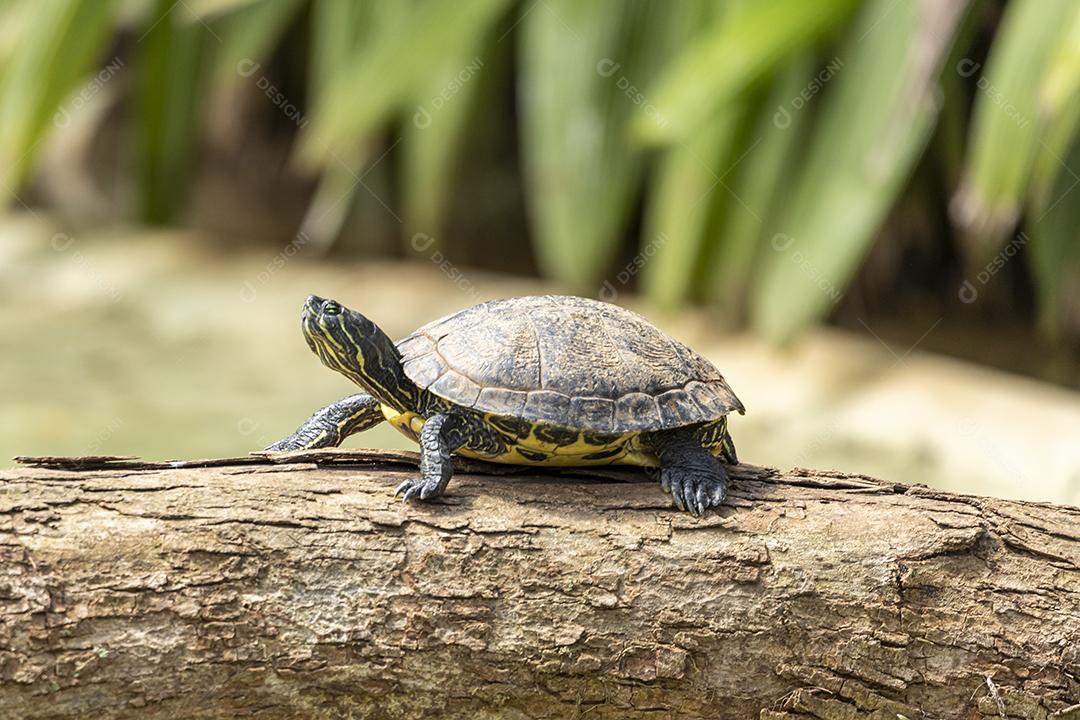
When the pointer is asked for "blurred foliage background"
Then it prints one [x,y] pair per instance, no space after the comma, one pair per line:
[781,161]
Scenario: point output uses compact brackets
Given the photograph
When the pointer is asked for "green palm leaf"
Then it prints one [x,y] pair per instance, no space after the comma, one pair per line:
[582,65]
[765,179]
[365,91]
[738,49]
[873,127]
[1007,123]
[60,42]
[171,76]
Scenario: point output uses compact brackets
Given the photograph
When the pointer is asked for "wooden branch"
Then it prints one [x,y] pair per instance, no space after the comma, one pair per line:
[301,588]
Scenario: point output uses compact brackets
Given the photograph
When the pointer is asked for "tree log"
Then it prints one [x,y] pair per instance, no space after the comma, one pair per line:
[297,586]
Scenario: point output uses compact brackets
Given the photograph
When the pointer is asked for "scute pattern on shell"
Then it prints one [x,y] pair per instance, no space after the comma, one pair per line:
[566,360]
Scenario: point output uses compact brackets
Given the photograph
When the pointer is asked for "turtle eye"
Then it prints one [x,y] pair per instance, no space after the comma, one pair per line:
[331,308]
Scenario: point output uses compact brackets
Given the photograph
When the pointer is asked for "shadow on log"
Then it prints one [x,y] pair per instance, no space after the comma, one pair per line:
[296,586]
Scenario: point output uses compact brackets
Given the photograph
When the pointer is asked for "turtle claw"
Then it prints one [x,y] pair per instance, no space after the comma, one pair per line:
[416,489]
[688,493]
[719,492]
[288,444]
[677,497]
[693,492]
[701,499]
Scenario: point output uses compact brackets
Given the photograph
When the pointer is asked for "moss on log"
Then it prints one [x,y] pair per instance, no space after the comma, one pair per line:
[299,587]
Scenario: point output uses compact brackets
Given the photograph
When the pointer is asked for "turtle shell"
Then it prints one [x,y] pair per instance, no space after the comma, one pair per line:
[566,360]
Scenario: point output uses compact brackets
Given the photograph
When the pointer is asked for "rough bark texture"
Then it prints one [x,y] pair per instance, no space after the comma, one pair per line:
[303,589]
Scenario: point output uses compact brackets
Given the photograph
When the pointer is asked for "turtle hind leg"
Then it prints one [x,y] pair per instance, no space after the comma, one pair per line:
[728,453]
[330,425]
[716,438]
[695,478]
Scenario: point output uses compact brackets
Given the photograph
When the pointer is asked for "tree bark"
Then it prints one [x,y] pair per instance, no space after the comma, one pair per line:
[302,588]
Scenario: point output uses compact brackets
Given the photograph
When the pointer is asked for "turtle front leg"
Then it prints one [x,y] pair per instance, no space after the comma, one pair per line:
[695,478]
[439,438]
[329,426]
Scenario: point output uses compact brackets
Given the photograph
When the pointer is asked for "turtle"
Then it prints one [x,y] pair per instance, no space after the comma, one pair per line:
[549,380]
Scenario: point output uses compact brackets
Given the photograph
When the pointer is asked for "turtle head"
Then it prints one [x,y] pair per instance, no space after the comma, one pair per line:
[350,343]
